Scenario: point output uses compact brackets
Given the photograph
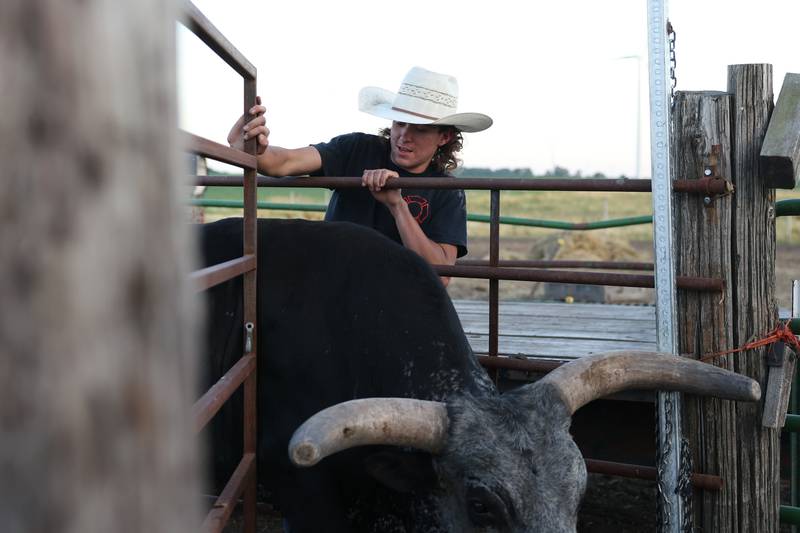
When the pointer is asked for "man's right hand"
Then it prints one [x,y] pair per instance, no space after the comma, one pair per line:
[253,124]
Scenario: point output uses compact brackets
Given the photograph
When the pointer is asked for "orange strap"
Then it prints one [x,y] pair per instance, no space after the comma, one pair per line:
[780,333]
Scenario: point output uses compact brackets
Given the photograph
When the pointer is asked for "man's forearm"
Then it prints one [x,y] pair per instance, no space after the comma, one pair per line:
[415,239]
[272,161]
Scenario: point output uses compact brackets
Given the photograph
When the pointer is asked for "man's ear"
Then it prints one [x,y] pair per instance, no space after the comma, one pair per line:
[447,136]
[402,471]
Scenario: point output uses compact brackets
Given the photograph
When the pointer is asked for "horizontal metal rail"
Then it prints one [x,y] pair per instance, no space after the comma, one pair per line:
[522,364]
[559,263]
[209,404]
[219,152]
[556,224]
[792,423]
[586,278]
[701,186]
[198,24]
[788,207]
[701,481]
[218,516]
[789,515]
[782,208]
[215,274]
[513,221]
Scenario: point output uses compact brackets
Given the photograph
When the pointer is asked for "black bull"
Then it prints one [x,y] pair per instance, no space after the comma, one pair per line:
[345,314]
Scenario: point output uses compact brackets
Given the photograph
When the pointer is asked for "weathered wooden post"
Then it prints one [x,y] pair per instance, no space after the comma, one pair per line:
[701,126]
[96,344]
[753,292]
[732,237]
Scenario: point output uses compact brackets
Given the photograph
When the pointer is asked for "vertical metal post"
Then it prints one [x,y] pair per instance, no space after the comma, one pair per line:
[250,192]
[494,284]
[794,460]
[668,404]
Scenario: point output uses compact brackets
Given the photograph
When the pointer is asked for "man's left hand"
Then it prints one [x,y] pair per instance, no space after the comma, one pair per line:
[375,181]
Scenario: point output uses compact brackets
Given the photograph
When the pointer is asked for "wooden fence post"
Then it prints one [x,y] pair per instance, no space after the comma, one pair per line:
[701,126]
[753,293]
[733,237]
[96,328]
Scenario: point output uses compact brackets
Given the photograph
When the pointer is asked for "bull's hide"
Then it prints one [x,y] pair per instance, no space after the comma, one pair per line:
[343,313]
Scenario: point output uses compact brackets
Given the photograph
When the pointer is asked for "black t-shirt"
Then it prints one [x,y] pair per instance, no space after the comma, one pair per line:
[442,214]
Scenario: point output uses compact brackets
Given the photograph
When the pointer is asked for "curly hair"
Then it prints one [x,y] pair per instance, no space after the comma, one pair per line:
[445,159]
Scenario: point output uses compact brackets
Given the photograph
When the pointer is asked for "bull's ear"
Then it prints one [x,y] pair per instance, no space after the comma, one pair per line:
[402,471]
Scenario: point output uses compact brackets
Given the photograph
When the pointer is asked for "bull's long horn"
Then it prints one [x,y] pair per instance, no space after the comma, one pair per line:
[397,421]
[586,379]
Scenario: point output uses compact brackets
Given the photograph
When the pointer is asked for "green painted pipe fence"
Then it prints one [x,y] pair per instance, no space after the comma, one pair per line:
[782,208]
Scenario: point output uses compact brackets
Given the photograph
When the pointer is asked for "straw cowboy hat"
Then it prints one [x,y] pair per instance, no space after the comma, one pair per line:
[424,97]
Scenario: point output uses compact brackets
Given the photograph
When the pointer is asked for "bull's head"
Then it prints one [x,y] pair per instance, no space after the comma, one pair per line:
[508,462]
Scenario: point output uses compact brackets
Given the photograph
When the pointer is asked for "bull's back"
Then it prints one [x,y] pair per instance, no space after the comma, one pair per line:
[343,313]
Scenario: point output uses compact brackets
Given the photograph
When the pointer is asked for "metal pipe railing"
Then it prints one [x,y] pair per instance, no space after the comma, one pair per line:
[243,481]
[472,217]
[705,185]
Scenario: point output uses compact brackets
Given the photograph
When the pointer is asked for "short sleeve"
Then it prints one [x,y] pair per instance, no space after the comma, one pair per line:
[334,155]
[448,220]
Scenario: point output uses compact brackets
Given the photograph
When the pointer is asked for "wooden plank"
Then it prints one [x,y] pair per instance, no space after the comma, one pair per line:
[564,348]
[526,328]
[779,386]
[563,310]
[780,153]
[559,330]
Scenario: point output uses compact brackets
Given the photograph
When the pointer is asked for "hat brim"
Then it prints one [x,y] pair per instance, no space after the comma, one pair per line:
[378,102]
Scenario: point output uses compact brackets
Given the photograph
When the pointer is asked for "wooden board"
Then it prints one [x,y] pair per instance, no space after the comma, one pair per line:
[559,330]
[780,153]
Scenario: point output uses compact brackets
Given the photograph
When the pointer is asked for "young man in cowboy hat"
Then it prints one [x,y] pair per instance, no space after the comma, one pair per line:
[422,142]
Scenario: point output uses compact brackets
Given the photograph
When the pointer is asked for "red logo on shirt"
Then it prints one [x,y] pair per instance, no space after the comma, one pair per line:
[418,206]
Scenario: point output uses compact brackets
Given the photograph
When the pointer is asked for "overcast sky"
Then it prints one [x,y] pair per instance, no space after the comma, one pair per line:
[549,73]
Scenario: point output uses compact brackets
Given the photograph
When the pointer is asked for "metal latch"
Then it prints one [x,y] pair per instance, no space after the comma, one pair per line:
[248,343]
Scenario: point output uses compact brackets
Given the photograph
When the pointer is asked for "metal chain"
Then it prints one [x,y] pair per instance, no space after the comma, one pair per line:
[672,62]
[663,449]
[684,488]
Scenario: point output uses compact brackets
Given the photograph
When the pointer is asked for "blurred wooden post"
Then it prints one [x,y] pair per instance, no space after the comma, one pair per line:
[96,329]
[701,125]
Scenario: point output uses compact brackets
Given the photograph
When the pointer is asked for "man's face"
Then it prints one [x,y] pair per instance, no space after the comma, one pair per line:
[413,145]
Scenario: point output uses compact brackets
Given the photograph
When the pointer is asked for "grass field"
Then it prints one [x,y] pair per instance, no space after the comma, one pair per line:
[542,205]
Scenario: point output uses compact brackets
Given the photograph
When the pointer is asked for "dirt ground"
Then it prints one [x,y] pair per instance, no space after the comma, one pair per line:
[611,504]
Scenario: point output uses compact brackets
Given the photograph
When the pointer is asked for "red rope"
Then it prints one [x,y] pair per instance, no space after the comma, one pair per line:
[782,332]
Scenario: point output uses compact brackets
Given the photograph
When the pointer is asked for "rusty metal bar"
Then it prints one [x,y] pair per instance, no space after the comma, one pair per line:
[201,146]
[219,514]
[525,365]
[701,481]
[523,263]
[215,274]
[494,284]
[198,24]
[207,406]
[710,185]
[250,244]
[586,278]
